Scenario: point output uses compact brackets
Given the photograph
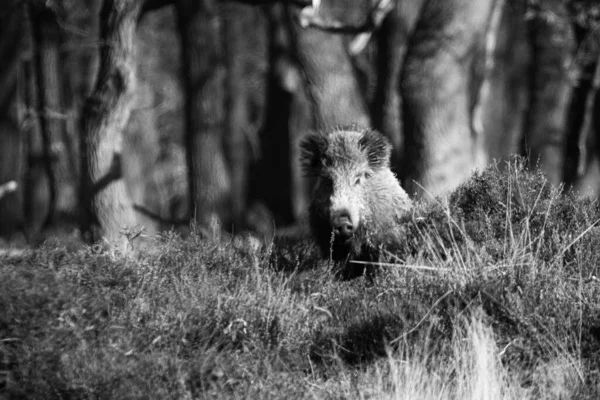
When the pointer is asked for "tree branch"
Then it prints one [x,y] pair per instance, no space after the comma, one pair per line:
[310,17]
[7,188]
[113,174]
[301,3]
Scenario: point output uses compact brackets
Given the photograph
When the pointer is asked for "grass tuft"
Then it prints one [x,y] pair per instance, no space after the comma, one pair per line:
[491,294]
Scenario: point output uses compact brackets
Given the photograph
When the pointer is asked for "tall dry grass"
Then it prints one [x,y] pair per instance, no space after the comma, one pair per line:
[491,294]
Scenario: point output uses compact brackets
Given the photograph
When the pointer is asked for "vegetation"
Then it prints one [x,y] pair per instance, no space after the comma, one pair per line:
[494,295]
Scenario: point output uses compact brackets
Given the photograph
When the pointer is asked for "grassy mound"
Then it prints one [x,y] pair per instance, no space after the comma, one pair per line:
[494,294]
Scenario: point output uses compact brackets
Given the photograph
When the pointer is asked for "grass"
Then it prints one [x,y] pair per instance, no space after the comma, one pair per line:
[494,295]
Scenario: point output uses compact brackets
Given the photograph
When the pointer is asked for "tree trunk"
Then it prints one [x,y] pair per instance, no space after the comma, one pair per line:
[594,115]
[581,147]
[85,60]
[34,174]
[332,86]
[271,187]
[391,52]
[590,127]
[481,84]
[80,58]
[545,130]
[391,48]
[44,46]
[104,197]
[440,148]
[12,159]
[235,21]
[503,111]
[149,169]
[204,80]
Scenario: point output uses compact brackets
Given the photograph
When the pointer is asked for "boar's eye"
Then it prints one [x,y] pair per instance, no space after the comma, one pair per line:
[360,178]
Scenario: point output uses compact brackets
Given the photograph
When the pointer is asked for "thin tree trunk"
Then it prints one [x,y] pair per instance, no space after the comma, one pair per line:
[39,18]
[545,133]
[298,125]
[391,52]
[86,58]
[104,117]
[585,134]
[577,157]
[80,59]
[204,80]
[580,147]
[12,160]
[504,109]
[386,110]
[481,81]
[589,127]
[594,115]
[63,141]
[272,186]
[234,16]
[35,182]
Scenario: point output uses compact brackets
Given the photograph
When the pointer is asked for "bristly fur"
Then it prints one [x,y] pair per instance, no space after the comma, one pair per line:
[377,147]
[312,152]
[316,153]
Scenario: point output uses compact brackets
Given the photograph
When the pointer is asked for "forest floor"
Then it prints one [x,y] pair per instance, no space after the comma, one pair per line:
[494,294]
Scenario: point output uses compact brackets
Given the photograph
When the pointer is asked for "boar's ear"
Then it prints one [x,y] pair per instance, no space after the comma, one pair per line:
[312,153]
[377,147]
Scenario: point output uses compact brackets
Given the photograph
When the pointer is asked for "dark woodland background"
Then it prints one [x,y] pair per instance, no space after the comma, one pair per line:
[123,113]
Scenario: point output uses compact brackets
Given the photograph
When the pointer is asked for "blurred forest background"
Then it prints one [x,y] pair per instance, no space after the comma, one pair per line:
[127,113]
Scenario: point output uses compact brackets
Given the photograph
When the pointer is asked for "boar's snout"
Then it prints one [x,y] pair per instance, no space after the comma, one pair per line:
[342,225]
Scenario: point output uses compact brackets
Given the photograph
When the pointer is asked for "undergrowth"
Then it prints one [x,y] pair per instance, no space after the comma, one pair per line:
[492,294]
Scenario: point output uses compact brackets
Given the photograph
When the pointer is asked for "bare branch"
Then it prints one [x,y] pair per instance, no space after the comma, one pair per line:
[7,188]
[113,174]
[310,17]
[301,3]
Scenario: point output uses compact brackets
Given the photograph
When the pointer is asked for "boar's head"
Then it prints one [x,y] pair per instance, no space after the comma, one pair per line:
[344,164]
